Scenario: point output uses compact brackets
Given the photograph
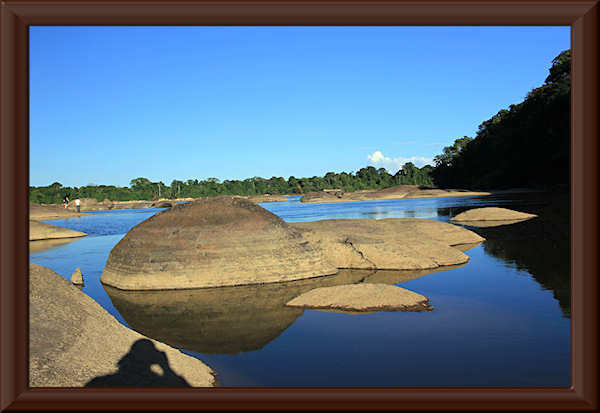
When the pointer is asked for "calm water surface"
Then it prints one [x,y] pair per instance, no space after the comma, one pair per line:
[502,319]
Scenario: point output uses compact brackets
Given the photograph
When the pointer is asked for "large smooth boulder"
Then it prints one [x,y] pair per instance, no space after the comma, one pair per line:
[74,342]
[43,231]
[491,217]
[212,242]
[392,243]
[364,297]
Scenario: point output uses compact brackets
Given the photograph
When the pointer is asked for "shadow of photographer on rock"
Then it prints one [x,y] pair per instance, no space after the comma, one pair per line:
[141,366]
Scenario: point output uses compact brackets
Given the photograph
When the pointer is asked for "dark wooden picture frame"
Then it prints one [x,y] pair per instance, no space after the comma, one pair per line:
[18,15]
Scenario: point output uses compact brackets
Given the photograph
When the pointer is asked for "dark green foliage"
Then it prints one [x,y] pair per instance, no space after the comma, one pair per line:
[527,145]
[144,189]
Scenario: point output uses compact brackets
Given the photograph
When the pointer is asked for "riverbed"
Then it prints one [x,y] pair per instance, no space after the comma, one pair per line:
[502,319]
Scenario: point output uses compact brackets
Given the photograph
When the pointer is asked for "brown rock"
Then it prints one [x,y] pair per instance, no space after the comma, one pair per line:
[212,243]
[394,192]
[39,212]
[491,217]
[393,243]
[43,231]
[362,298]
[77,277]
[74,342]
[267,198]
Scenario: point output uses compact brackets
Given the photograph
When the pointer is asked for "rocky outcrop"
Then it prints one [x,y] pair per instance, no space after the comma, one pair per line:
[362,297]
[74,342]
[267,198]
[491,217]
[40,212]
[212,243]
[43,231]
[393,243]
[77,277]
[395,192]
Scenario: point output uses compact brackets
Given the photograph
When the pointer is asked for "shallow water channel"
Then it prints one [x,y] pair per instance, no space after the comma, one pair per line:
[502,319]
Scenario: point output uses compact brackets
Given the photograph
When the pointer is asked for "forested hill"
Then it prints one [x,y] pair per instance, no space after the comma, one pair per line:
[527,145]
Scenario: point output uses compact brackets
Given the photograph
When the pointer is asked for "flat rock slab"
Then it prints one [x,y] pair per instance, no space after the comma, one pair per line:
[43,212]
[212,242]
[490,217]
[74,342]
[394,192]
[393,243]
[362,298]
[43,231]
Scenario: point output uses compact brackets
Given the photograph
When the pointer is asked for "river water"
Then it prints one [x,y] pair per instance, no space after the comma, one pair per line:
[502,319]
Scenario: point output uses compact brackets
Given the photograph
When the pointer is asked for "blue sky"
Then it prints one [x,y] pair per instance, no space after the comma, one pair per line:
[109,104]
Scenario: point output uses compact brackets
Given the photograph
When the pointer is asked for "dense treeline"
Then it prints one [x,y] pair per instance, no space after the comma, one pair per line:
[143,189]
[527,145]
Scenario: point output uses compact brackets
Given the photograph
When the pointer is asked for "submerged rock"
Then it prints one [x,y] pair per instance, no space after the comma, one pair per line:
[74,342]
[77,277]
[43,231]
[364,297]
[491,217]
[392,243]
[212,243]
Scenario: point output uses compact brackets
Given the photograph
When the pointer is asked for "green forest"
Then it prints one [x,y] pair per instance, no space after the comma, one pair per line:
[143,189]
[526,145]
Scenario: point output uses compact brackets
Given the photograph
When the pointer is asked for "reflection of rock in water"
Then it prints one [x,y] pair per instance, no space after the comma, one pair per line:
[229,320]
[225,320]
[539,246]
[400,276]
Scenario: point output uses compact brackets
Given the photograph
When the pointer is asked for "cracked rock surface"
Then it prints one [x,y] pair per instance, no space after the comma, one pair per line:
[392,243]
[364,297]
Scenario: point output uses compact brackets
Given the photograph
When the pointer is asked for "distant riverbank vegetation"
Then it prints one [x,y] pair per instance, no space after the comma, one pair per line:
[143,189]
[526,145]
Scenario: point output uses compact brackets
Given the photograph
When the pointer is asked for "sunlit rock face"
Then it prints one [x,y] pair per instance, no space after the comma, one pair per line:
[212,242]
[491,217]
[392,243]
[73,341]
[43,231]
[364,297]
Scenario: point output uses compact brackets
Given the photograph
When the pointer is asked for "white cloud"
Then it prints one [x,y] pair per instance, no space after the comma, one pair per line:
[393,165]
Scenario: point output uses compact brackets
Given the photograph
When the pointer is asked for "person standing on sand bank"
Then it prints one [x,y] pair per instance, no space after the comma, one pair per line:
[66,201]
[78,205]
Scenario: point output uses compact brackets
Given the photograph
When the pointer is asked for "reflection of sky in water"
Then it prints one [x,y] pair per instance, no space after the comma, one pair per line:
[492,324]
[296,211]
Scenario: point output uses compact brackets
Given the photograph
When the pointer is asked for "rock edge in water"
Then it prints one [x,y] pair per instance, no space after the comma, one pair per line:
[363,297]
[41,231]
[74,342]
[491,216]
